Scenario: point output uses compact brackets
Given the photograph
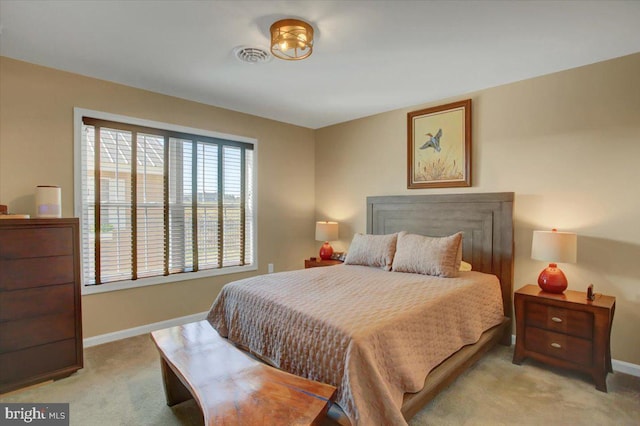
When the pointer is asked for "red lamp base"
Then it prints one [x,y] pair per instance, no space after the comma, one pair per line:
[552,279]
[326,251]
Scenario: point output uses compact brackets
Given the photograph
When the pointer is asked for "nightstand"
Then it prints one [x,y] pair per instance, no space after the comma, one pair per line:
[565,330]
[316,262]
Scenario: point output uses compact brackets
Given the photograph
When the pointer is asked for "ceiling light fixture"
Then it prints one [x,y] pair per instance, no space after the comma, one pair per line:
[291,39]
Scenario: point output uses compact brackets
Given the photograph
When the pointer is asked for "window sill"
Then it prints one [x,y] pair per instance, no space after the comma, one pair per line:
[144,282]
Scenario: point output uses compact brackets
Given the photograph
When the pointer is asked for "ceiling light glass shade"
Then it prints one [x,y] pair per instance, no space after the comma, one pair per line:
[291,39]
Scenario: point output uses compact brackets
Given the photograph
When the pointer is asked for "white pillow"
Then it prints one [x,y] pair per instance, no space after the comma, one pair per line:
[372,250]
[438,256]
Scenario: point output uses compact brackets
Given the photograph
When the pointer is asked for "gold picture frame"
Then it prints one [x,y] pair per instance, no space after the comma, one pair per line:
[439,146]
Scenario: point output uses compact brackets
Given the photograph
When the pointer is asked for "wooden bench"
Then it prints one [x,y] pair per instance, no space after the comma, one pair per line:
[229,386]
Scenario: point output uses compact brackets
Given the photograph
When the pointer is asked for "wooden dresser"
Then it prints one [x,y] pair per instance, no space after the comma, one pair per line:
[40,315]
[565,330]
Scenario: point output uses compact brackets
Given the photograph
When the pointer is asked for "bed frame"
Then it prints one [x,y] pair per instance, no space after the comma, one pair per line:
[486,222]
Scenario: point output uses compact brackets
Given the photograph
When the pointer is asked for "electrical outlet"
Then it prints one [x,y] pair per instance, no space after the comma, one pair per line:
[270,268]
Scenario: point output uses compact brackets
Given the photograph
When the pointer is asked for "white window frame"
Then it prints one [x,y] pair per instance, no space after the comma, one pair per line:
[78,113]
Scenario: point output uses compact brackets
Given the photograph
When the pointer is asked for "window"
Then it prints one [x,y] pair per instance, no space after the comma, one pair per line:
[157,202]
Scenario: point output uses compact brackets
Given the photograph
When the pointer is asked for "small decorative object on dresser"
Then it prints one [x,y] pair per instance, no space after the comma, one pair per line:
[48,201]
[565,330]
[4,214]
[314,263]
[14,216]
[553,246]
[339,255]
[326,231]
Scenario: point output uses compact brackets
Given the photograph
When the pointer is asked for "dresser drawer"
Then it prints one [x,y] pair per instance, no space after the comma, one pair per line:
[20,334]
[20,304]
[36,242]
[36,364]
[561,320]
[558,345]
[35,272]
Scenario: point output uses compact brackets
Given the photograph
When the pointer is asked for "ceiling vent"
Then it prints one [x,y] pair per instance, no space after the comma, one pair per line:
[252,55]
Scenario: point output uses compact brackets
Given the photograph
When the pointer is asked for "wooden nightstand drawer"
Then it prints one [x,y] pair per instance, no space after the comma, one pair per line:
[558,345]
[561,320]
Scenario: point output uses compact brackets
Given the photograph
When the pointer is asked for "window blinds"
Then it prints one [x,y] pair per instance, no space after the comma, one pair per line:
[158,202]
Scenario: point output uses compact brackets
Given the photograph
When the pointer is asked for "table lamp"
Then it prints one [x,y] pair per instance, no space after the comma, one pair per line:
[555,247]
[326,231]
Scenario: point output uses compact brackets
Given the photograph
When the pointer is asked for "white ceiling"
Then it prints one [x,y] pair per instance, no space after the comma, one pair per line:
[369,56]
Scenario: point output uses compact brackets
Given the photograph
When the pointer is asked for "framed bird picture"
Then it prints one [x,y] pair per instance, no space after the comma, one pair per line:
[439,146]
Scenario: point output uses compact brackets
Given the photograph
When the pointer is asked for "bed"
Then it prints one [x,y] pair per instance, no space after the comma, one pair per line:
[376,334]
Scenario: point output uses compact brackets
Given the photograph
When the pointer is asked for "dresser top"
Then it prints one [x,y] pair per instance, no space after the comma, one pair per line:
[9,223]
[570,296]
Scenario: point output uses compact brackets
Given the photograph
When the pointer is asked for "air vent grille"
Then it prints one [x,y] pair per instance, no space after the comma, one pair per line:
[252,55]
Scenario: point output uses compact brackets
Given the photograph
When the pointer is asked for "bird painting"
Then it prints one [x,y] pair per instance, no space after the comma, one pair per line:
[433,142]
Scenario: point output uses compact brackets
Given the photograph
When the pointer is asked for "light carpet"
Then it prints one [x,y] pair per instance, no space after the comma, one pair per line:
[121,384]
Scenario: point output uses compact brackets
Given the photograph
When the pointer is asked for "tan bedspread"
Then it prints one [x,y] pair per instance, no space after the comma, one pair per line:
[373,334]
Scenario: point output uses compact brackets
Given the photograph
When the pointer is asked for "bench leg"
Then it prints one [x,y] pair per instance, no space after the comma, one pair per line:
[174,390]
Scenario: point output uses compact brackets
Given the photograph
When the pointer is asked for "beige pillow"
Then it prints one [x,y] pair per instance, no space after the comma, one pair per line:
[428,255]
[372,250]
[465,267]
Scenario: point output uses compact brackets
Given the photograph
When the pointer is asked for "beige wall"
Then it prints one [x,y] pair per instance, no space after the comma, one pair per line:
[36,148]
[567,144]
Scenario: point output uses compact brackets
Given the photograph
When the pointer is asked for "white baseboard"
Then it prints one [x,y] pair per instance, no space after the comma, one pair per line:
[143,329]
[619,366]
[625,367]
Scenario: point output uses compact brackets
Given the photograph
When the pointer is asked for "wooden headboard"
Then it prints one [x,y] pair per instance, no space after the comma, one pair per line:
[486,222]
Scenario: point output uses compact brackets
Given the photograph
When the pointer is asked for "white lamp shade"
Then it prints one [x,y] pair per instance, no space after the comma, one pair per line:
[554,246]
[326,231]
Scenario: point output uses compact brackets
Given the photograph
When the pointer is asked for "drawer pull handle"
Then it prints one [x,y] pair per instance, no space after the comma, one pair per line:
[556,345]
[556,319]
